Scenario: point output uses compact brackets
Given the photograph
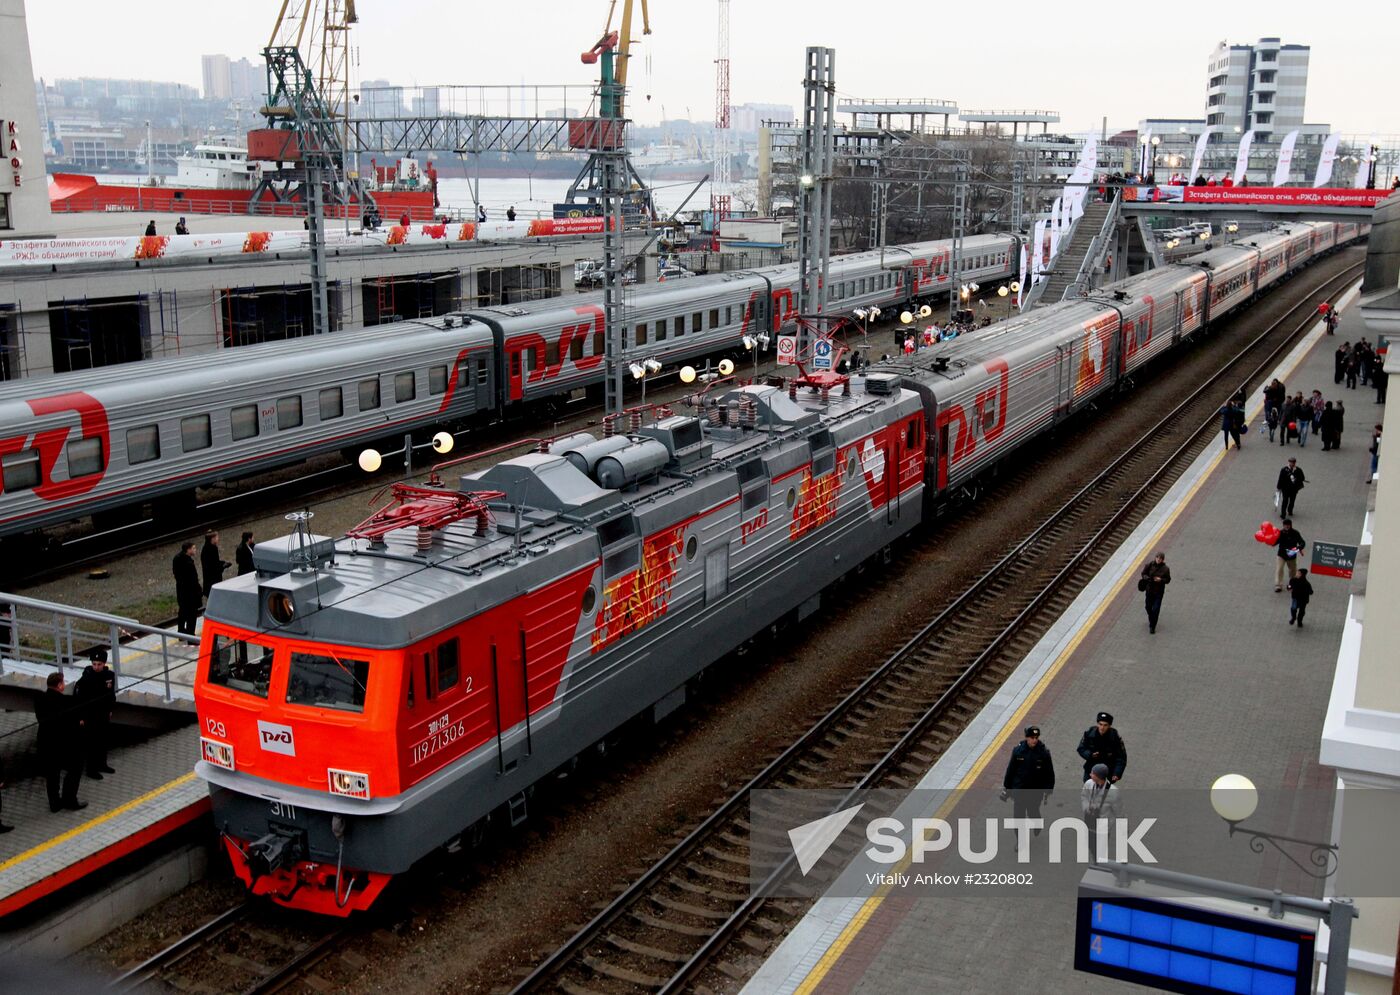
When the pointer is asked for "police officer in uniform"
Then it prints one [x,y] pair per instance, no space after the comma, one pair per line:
[1030,776]
[1101,744]
[96,692]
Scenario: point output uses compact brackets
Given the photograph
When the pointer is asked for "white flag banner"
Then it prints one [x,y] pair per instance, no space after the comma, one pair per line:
[1076,206]
[1055,217]
[1038,250]
[1242,158]
[1325,161]
[1021,283]
[1084,171]
[1363,165]
[1285,158]
[1054,247]
[1200,154]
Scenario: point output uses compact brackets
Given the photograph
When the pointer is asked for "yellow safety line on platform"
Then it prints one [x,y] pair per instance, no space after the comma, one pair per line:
[867,910]
[92,823]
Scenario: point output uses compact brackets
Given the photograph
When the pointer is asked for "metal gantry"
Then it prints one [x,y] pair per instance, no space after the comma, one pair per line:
[614,164]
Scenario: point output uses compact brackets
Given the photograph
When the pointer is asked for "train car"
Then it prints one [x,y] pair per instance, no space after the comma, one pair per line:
[362,703]
[1272,264]
[1231,271]
[92,442]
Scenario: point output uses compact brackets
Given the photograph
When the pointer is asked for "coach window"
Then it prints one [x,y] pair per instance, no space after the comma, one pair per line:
[447,667]
[680,325]
[327,682]
[20,471]
[576,348]
[660,330]
[142,444]
[404,387]
[481,371]
[194,433]
[729,315]
[640,338]
[332,404]
[241,665]
[289,411]
[242,423]
[85,457]
[714,317]
[696,322]
[598,346]
[369,394]
[551,354]
[437,380]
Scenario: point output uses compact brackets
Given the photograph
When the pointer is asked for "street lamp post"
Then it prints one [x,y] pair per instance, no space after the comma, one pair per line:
[755,344]
[642,369]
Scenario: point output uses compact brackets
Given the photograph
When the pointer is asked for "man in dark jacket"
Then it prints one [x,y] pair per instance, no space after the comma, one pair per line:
[96,693]
[1331,427]
[1290,481]
[187,592]
[1030,776]
[211,563]
[1301,589]
[1155,578]
[1101,744]
[1290,543]
[59,744]
[244,554]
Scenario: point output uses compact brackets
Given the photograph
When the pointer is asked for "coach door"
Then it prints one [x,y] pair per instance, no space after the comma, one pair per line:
[716,574]
[1064,378]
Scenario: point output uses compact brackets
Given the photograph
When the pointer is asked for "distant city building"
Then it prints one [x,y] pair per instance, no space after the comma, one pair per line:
[749,117]
[225,79]
[1261,86]
[380,99]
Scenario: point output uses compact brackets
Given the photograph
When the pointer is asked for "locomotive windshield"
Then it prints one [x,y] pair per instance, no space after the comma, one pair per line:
[327,682]
[240,665]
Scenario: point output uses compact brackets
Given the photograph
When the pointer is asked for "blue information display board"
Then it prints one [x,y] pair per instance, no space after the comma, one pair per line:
[1178,947]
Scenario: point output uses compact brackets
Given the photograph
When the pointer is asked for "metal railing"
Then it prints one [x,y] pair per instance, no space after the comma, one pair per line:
[1096,251]
[39,636]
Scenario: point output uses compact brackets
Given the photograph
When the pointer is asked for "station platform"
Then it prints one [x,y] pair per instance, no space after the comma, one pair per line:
[1225,685]
[153,793]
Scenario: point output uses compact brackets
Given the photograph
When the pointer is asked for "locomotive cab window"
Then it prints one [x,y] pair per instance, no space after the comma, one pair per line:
[20,471]
[912,438]
[85,457]
[194,433]
[143,444]
[447,665]
[242,422]
[327,682]
[240,665]
[369,394]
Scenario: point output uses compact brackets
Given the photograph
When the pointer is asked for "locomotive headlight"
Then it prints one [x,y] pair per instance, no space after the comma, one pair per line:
[370,460]
[216,753]
[348,783]
[442,442]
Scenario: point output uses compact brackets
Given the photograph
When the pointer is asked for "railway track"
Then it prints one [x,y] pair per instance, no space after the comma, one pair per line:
[235,952]
[689,922]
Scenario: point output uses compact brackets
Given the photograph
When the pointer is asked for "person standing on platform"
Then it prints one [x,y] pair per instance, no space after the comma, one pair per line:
[1379,378]
[1301,590]
[244,554]
[1155,578]
[1353,366]
[96,694]
[481,214]
[181,228]
[1375,452]
[1302,417]
[1290,482]
[1363,365]
[1317,404]
[1229,424]
[510,213]
[1289,543]
[151,228]
[1101,744]
[1030,776]
[1339,362]
[211,562]
[187,590]
[59,752]
[1341,410]
[1274,395]
[1099,798]
[1330,427]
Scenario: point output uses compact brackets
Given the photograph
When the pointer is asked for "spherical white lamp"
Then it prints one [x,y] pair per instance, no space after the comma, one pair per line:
[688,374]
[726,366]
[370,460]
[1002,291]
[1234,797]
[442,442]
[905,317]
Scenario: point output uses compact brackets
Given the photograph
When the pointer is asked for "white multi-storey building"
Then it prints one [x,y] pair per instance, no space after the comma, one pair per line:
[1261,87]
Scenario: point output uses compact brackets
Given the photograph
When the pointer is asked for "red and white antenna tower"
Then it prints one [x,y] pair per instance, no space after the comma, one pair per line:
[719,182]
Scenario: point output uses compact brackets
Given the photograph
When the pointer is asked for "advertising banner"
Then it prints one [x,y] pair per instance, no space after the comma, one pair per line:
[1242,158]
[1285,158]
[1200,154]
[1325,161]
[1285,196]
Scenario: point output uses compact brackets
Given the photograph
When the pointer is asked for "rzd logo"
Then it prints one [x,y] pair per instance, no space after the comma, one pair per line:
[748,528]
[276,738]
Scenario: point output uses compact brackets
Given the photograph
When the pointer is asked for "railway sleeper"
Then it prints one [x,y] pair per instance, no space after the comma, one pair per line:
[631,977]
[675,927]
[710,873]
[685,908]
[726,857]
[681,884]
[643,950]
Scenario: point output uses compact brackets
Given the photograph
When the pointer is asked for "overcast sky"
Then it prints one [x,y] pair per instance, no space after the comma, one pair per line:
[1122,62]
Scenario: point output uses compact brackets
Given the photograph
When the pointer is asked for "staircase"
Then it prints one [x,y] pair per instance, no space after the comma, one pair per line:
[1073,264]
